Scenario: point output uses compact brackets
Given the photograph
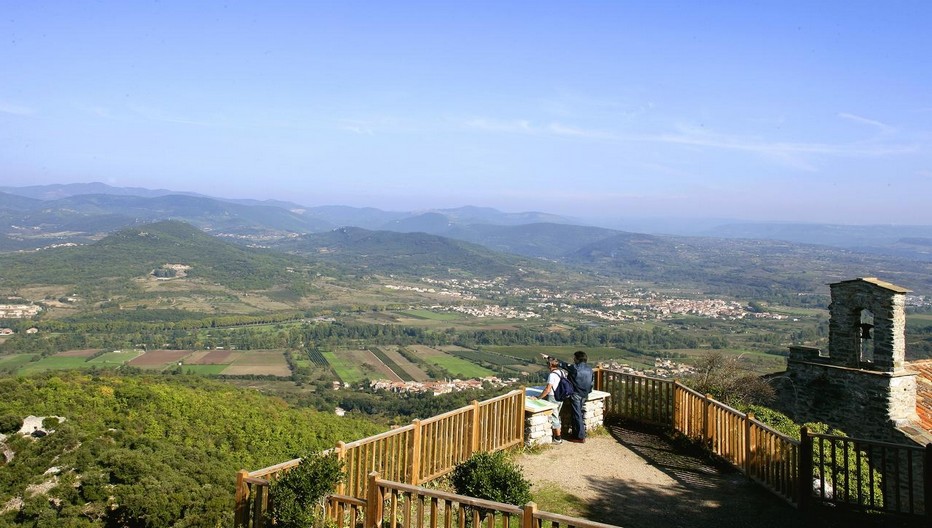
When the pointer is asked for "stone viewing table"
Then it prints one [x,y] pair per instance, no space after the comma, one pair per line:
[537,415]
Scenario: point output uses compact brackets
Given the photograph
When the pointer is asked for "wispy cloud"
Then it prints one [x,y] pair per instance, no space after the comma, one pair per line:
[884,128]
[700,137]
[15,109]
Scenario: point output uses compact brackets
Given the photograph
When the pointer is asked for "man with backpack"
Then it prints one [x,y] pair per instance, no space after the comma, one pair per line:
[556,391]
[581,376]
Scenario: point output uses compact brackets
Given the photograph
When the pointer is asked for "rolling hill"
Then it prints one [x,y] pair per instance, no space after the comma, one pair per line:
[135,252]
[410,254]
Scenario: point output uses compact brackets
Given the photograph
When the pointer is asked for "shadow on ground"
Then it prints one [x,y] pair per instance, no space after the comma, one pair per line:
[706,493]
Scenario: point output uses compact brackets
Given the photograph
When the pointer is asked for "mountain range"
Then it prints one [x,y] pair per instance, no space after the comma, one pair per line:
[478,241]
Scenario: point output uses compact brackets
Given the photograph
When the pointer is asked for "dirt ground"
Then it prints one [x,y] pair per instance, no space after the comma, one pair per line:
[636,477]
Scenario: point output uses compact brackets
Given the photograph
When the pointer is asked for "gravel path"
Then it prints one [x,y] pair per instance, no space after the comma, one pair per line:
[635,477]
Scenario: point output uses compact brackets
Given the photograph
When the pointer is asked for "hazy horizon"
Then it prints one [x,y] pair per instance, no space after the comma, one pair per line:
[781,111]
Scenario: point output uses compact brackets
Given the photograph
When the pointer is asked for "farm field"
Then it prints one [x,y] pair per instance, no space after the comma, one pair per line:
[454,365]
[87,352]
[113,359]
[159,359]
[353,366]
[53,363]
[414,371]
[14,361]
[257,362]
[204,370]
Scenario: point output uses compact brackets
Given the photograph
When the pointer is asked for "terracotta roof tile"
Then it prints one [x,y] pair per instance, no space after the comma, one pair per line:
[923,369]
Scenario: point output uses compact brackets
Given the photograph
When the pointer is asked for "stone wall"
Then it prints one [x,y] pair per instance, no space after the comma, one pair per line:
[863,404]
[537,417]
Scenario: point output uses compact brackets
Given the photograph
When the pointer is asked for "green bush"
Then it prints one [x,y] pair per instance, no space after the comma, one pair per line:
[865,480]
[10,423]
[298,495]
[492,476]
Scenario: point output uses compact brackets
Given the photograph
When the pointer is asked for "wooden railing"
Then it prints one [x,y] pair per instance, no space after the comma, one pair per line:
[869,475]
[395,504]
[827,464]
[796,470]
[415,453]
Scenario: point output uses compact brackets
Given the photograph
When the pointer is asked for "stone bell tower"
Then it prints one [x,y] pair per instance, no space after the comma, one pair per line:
[860,384]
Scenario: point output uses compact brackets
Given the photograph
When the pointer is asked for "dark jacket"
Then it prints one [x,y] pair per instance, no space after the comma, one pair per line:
[581,375]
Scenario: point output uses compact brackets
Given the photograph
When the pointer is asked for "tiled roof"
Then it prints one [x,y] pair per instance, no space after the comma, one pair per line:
[876,282]
[923,369]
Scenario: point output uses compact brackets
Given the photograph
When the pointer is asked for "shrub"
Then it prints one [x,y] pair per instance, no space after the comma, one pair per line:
[864,482]
[492,476]
[10,423]
[298,495]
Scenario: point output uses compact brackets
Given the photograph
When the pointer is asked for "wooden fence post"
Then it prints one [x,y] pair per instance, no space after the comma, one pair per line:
[520,417]
[416,453]
[804,485]
[674,408]
[598,378]
[241,500]
[374,503]
[528,518]
[748,448]
[474,443]
[706,422]
[341,456]
[260,505]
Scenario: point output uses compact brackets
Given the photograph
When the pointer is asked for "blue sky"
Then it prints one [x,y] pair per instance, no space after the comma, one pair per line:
[792,111]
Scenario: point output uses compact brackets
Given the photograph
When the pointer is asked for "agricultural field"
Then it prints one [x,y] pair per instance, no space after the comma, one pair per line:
[204,370]
[114,359]
[353,366]
[454,365]
[256,362]
[415,372]
[505,365]
[85,353]
[53,363]
[159,359]
[15,361]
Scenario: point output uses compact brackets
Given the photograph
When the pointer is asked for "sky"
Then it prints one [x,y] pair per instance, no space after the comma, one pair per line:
[792,111]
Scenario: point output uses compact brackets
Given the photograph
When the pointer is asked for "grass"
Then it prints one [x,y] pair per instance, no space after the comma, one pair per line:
[459,367]
[53,363]
[204,370]
[551,498]
[113,358]
[345,369]
[15,361]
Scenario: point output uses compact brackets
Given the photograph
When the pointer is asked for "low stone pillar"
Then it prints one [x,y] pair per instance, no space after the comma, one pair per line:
[537,418]
[537,415]
[594,409]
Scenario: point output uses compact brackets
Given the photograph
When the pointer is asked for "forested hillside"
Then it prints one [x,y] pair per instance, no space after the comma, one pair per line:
[136,251]
[144,451]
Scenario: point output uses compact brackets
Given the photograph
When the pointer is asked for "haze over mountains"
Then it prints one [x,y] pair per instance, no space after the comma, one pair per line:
[480,241]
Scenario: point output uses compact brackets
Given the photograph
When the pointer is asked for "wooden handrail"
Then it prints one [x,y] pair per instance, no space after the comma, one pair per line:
[773,459]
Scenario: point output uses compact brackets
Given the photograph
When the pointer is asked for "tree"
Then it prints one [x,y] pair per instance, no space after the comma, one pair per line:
[298,496]
[721,376]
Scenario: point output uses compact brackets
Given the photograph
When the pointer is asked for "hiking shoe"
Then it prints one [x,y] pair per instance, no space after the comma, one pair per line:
[557,441]
[576,440]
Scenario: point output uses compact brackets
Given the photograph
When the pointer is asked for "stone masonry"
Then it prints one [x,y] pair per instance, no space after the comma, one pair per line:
[537,416]
[860,385]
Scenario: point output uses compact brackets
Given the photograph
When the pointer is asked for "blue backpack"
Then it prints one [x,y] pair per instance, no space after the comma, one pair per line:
[564,389]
